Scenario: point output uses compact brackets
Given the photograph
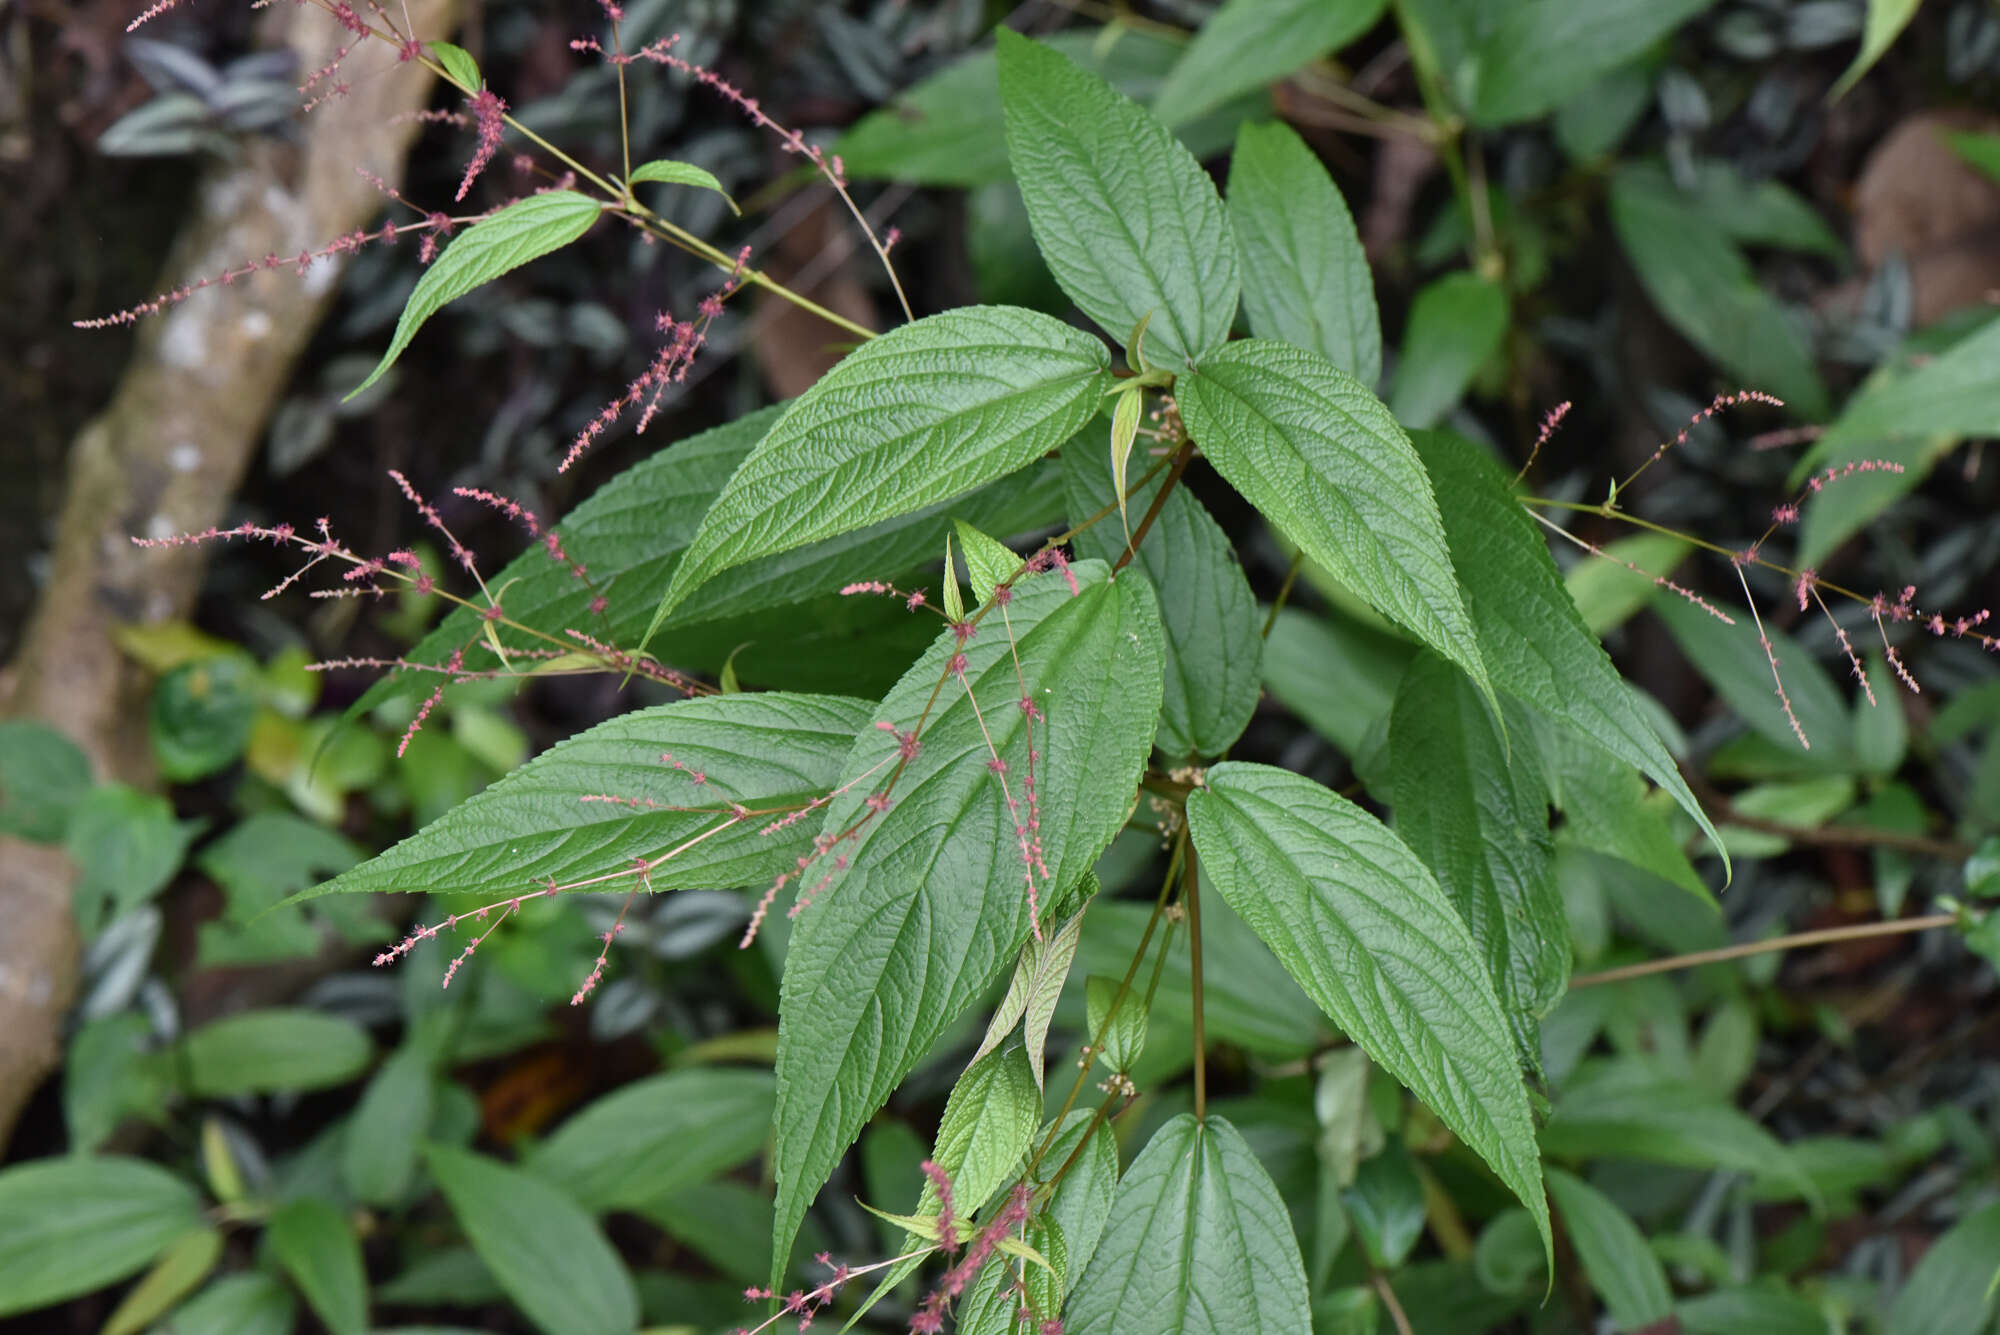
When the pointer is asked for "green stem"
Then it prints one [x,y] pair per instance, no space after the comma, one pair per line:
[1191,896]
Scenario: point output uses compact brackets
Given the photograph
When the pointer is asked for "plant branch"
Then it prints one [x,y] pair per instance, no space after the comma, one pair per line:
[1191,895]
[1182,457]
[1797,940]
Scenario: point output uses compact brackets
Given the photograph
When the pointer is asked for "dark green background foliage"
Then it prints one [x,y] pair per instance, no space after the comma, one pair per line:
[1219,919]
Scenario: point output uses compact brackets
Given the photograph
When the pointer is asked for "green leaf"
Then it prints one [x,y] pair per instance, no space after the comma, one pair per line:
[1529,630]
[458,64]
[772,752]
[1762,212]
[249,1303]
[1386,1205]
[989,561]
[183,1265]
[1456,325]
[273,1050]
[1952,1288]
[1336,674]
[656,1136]
[71,1226]
[1311,448]
[379,1156]
[108,1075]
[1199,1242]
[1248,44]
[539,1244]
[1732,660]
[1363,927]
[1544,52]
[1214,650]
[923,414]
[1033,991]
[988,1123]
[1480,821]
[632,532]
[315,1244]
[43,776]
[200,715]
[1886,19]
[1980,151]
[1608,590]
[1122,252]
[127,846]
[931,906]
[1631,1108]
[1604,806]
[1751,1311]
[525,230]
[1120,1035]
[948,129]
[1910,413]
[1308,280]
[1621,1267]
[1704,287]
[681,173]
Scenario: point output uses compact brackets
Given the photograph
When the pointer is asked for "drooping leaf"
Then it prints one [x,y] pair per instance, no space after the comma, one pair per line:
[1247,44]
[630,536]
[1122,250]
[1544,52]
[1214,651]
[1604,806]
[1886,19]
[668,172]
[923,414]
[650,1139]
[1479,818]
[1364,928]
[590,805]
[1456,323]
[1308,280]
[1621,1267]
[1538,647]
[1704,287]
[547,1254]
[1952,1289]
[525,230]
[932,904]
[1199,1242]
[283,1048]
[1631,1108]
[1319,455]
[315,1244]
[73,1225]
